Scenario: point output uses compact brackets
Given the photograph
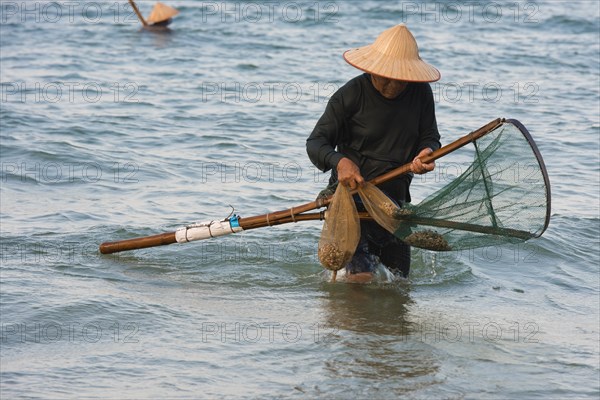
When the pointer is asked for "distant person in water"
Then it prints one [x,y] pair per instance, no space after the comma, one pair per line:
[160,17]
[378,121]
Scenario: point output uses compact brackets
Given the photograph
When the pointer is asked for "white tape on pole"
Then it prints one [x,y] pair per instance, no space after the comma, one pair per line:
[205,230]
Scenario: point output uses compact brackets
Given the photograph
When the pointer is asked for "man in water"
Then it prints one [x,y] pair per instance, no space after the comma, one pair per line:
[378,121]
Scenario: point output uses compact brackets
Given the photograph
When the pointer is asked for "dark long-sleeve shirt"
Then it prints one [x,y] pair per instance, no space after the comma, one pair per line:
[376,133]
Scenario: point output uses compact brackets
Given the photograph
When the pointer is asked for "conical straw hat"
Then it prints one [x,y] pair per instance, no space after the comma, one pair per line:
[161,12]
[393,55]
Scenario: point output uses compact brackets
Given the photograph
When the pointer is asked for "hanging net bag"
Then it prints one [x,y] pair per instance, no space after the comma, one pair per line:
[502,197]
[341,231]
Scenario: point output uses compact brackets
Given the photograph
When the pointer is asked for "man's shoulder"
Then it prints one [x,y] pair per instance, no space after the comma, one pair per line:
[423,87]
[356,83]
[420,90]
[352,89]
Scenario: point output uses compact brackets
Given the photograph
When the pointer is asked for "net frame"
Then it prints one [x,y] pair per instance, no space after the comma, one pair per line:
[492,212]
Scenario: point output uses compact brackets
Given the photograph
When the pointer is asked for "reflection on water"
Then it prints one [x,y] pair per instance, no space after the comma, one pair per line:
[372,331]
[161,36]
[371,309]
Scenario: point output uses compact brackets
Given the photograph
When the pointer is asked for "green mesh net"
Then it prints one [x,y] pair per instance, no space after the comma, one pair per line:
[502,197]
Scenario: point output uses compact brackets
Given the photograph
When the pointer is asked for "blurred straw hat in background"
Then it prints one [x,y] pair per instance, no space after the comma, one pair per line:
[161,13]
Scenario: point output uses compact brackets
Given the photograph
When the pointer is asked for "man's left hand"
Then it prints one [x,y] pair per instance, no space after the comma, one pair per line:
[419,167]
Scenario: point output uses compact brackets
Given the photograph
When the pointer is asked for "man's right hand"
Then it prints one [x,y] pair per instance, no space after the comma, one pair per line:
[349,174]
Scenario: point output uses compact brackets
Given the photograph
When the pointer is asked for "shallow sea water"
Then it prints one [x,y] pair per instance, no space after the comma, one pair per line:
[110,132]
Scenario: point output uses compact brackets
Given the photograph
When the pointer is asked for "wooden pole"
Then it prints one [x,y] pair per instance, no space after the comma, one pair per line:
[138,13]
[163,239]
[295,214]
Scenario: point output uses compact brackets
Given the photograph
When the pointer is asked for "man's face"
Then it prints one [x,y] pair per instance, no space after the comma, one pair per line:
[389,88]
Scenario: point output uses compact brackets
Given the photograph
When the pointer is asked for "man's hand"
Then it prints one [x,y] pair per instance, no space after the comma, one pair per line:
[419,167]
[349,174]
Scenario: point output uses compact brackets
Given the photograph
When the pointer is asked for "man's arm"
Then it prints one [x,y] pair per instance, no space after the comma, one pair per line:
[327,133]
[429,136]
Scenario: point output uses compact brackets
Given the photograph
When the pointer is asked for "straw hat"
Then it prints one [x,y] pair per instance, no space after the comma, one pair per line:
[161,12]
[393,55]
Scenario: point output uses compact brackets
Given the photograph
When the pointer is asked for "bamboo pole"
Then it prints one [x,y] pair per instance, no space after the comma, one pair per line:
[138,13]
[295,214]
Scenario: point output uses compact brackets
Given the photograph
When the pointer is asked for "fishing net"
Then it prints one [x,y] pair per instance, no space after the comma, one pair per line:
[341,231]
[502,197]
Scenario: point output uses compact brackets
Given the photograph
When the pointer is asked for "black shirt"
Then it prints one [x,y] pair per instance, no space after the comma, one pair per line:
[376,133]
